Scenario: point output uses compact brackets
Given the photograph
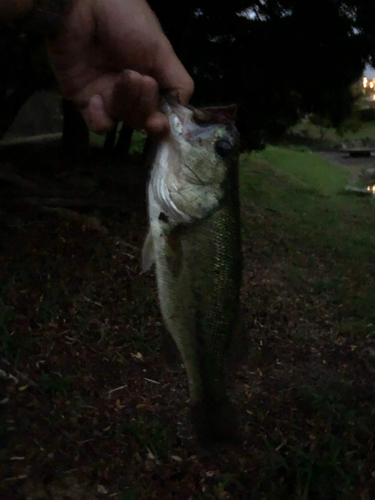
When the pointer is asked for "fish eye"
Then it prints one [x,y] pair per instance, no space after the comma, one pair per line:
[223,147]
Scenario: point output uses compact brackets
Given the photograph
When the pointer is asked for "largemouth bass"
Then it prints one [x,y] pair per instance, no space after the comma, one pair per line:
[195,243]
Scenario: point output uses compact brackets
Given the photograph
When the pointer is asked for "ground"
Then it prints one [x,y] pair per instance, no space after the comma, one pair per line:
[89,409]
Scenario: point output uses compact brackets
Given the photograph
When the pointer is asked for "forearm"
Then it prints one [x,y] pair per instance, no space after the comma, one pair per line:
[12,10]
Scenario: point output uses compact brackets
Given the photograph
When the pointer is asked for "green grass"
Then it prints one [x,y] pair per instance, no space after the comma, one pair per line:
[97,140]
[305,170]
[308,190]
[328,237]
[304,190]
[138,141]
[321,245]
[367,129]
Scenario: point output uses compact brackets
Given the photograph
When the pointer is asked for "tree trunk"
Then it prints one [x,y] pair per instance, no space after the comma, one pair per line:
[110,140]
[75,138]
[124,142]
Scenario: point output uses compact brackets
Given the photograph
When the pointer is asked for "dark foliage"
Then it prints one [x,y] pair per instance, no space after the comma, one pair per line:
[75,131]
[284,59]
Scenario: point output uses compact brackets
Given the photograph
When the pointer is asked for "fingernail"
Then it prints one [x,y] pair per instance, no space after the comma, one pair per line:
[157,125]
[96,104]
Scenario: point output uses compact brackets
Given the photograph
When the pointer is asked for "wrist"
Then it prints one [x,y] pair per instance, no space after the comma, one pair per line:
[13,10]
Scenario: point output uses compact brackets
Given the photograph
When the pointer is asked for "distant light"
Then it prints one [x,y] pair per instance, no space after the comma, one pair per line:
[365,82]
[371,85]
[249,13]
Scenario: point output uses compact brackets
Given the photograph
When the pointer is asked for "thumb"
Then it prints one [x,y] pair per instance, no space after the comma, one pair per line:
[171,75]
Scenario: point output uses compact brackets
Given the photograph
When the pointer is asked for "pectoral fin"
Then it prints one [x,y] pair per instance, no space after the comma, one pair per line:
[148,253]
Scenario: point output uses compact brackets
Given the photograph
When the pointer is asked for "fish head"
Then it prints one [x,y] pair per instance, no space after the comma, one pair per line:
[195,242]
[206,140]
[196,163]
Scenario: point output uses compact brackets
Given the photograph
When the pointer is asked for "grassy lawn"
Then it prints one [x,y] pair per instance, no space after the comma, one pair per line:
[94,413]
[138,141]
[304,170]
[367,130]
[309,270]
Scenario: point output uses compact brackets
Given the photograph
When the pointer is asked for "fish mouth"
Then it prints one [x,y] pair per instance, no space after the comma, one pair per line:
[205,116]
[214,115]
[179,116]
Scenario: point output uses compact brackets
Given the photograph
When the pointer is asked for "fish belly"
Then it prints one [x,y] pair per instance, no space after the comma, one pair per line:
[198,269]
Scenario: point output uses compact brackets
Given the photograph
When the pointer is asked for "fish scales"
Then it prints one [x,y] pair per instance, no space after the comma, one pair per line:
[203,297]
[195,243]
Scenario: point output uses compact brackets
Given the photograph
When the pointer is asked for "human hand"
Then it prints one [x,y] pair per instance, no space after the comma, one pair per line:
[112,59]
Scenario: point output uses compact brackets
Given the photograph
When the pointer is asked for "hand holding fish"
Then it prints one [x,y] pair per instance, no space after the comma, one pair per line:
[111,58]
[195,243]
